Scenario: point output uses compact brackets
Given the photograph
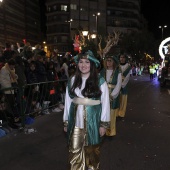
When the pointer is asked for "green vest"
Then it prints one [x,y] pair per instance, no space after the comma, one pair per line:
[115,103]
[93,118]
[124,90]
[151,69]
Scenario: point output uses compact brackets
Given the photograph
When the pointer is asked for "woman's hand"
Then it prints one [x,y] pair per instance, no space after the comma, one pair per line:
[65,129]
[102,131]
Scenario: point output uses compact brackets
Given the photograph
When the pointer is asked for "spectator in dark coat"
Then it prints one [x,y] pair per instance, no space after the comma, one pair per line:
[20,71]
[32,74]
[50,71]
[41,70]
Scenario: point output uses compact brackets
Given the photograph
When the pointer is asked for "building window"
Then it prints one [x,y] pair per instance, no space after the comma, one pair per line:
[84,17]
[65,48]
[73,6]
[63,7]
[54,7]
[64,39]
[49,9]
[55,39]
[108,12]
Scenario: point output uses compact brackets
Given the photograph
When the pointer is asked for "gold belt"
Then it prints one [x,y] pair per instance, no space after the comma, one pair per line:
[110,86]
[123,77]
[85,101]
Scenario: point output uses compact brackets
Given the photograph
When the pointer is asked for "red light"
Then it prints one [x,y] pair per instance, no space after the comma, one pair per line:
[24,40]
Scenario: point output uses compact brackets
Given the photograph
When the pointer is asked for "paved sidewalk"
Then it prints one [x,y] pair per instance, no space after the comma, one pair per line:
[141,143]
[44,149]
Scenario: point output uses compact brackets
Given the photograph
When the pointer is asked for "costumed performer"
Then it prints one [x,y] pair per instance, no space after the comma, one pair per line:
[86,114]
[112,75]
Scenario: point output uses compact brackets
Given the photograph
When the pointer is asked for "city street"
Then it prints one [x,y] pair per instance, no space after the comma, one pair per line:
[142,140]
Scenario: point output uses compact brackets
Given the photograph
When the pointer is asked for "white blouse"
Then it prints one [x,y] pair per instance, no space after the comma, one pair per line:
[117,88]
[105,115]
[126,80]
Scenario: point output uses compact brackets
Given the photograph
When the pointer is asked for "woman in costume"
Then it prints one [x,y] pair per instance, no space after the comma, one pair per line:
[112,75]
[86,114]
[125,69]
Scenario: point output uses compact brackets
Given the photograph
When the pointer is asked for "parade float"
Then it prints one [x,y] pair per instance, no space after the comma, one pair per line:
[164,71]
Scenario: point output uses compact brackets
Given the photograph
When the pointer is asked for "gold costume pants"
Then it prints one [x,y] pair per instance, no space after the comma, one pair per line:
[123,105]
[81,156]
[112,130]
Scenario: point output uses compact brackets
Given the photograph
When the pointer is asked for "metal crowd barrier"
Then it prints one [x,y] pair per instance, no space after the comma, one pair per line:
[32,99]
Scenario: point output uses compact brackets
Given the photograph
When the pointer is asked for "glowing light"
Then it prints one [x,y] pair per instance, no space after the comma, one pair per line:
[93,36]
[161,47]
[85,33]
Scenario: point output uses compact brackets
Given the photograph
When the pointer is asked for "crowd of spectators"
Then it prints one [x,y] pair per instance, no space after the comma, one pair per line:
[21,67]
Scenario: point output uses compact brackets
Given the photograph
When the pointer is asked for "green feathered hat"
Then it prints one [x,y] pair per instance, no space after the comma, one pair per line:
[89,55]
[114,58]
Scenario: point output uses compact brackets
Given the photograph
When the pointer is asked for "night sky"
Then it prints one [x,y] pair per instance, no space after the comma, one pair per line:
[157,13]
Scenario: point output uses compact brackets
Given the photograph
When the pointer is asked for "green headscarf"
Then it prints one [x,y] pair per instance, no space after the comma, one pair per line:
[89,55]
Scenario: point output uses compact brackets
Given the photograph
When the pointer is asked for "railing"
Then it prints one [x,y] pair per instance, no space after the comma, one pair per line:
[31,100]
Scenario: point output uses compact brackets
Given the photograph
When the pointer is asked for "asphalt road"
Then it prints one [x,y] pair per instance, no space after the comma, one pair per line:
[142,141]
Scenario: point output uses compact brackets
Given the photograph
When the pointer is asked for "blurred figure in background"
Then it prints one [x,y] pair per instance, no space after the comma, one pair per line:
[126,71]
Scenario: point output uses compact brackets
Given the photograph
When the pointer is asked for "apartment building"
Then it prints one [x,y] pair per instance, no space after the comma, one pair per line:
[124,15]
[66,17]
[20,21]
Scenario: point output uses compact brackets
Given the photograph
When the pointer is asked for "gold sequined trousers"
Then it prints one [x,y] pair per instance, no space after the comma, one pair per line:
[123,105]
[81,156]
[112,130]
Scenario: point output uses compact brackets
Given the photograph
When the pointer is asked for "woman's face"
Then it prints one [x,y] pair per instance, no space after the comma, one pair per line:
[109,63]
[84,67]
[122,59]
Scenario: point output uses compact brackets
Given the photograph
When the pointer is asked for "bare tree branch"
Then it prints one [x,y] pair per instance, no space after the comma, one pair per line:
[111,40]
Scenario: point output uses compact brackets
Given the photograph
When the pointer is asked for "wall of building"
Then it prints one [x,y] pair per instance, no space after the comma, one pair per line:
[20,20]
[65,18]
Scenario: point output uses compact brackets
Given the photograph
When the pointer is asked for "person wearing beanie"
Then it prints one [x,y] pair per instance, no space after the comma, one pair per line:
[112,75]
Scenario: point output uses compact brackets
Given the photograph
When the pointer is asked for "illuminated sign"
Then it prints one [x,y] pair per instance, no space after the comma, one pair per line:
[163,48]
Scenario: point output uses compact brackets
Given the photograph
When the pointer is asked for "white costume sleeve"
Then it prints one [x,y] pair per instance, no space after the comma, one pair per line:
[105,102]
[116,90]
[126,80]
[68,101]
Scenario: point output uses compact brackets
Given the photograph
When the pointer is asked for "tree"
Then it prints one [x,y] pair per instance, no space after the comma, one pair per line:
[110,41]
[138,43]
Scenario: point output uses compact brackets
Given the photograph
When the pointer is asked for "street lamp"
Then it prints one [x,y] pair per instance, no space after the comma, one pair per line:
[71,20]
[96,15]
[93,36]
[85,33]
[162,28]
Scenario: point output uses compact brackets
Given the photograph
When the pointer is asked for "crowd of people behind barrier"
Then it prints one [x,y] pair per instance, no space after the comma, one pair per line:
[31,76]
[31,80]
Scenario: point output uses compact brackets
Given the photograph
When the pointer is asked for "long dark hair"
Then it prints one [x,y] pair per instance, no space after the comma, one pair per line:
[91,89]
